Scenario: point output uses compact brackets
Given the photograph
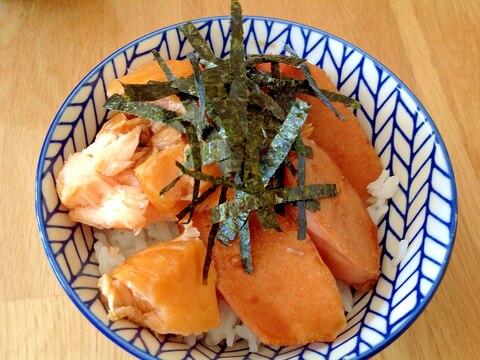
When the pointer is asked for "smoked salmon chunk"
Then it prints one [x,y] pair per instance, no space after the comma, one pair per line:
[161,287]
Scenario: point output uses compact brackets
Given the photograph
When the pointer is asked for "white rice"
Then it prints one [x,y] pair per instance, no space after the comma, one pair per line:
[401,252]
[113,246]
[381,190]
[345,295]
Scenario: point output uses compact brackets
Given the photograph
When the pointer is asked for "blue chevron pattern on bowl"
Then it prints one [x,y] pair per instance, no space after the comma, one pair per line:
[424,211]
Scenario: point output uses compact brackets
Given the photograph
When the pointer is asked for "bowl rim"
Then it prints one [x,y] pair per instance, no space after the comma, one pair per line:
[118,340]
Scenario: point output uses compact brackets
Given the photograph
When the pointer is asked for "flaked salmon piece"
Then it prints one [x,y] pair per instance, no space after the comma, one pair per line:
[112,152]
[120,124]
[290,297]
[150,71]
[161,288]
[156,172]
[86,175]
[345,141]
[98,184]
[342,230]
[79,184]
[159,170]
[165,136]
[123,207]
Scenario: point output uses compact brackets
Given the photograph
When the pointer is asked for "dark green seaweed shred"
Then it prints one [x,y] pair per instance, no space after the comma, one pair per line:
[251,170]
[231,227]
[260,98]
[171,184]
[198,42]
[302,168]
[211,238]
[271,197]
[245,251]
[275,66]
[194,203]
[268,58]
[216,150]
[312,205]
[145,110]
[268,218]
[191,133]
[201,122]
[284,139]
[149,92]
[339,98]
[224,181]
[166,70]
[313,85]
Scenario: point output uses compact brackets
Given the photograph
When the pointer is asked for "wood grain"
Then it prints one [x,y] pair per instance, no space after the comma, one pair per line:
[46,47]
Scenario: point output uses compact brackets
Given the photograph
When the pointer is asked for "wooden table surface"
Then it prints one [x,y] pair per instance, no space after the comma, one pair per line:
[46,47]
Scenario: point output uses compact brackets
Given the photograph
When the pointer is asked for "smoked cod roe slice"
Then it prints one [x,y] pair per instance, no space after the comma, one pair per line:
[290,297]
[161,287]
[342,230]
[345,141]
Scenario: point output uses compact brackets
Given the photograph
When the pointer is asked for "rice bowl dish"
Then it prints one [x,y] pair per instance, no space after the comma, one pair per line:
[394,247]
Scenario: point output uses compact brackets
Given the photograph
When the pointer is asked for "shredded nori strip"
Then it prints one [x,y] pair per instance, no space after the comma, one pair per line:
[245,251]
[213,151]
[258,97]
[272,197]
[194,203]
[230,227]
[152,91]
[166,70]
[225,181]
[145,110]
[201,123]
[268,218]
[312,205]
[302,168]
[197,163]
[268,58]
[275,66]
[198,42]
[171,184]
[211,238]
[283,141]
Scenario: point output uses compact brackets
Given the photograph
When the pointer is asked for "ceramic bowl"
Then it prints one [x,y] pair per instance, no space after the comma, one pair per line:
[423,211]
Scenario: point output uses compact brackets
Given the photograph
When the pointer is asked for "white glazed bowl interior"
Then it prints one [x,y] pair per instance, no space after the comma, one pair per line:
[424,211]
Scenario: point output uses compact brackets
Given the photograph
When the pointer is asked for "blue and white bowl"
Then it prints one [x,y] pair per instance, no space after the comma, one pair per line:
[424,211]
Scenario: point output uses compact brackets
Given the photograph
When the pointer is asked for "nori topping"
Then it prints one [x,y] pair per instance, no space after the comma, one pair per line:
[194,203]
[198,42]
[152,91]
[166,70]
[272,197]
[246,121]
[284,139]
[313,84]
[145,110]
[302,168]
[211,238]
[268,58]
[245,251]
[171,184]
